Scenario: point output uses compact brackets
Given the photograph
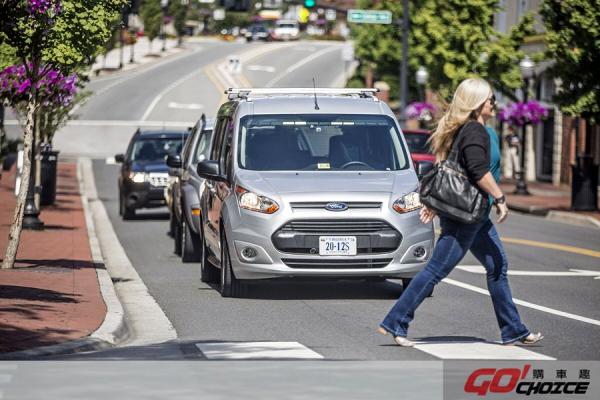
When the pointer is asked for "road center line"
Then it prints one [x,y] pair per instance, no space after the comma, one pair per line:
[553,246]
[526,303]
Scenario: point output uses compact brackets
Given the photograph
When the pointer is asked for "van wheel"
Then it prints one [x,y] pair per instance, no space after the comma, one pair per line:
[177,238]
[172,223]
[208,272]
[230,285]
[190,244]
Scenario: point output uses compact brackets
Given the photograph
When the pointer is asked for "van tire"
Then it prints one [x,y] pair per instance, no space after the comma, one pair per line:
[208,272]
[230,285]
[190,244]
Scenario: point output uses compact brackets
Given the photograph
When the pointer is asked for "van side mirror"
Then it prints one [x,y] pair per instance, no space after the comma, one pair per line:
[120,158]
[423,167]
[209,169]
[174,161]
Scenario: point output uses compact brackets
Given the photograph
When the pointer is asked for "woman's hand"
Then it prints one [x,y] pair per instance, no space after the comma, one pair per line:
[426,215]
[502,212]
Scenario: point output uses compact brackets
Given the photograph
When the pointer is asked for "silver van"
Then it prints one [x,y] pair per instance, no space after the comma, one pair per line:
[309,183]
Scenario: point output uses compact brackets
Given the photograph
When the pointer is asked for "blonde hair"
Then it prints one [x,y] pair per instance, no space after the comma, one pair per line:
[468,99]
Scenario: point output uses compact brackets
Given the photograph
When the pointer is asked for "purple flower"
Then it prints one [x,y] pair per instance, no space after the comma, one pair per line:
[421,110]
[519,114]
[26,84]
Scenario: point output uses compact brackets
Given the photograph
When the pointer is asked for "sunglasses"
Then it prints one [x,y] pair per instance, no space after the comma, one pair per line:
[493,100]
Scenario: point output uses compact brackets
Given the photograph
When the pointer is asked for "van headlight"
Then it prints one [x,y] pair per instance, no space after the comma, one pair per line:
[137,177]
[408,202]
[255,202]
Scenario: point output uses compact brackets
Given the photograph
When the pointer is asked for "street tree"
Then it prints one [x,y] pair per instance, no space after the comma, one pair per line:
[50,38]
[452,39]
[152,19]
[178,9]
[573,42]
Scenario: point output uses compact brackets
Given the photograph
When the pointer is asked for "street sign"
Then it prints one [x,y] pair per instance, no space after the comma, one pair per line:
[330,14]
[370,16]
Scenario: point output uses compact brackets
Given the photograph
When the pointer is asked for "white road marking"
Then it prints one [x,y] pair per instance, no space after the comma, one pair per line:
[479,351]
[110,161]
[265,68]
[167,90]
[526,303]
[306,60]
[256,350]
[478,269]
[185,106]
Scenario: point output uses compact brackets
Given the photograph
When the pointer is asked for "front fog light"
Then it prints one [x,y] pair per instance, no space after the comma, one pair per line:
[419,252]
[249,252]
[408,202]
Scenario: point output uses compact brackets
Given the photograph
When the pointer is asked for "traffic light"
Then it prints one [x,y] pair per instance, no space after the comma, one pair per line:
[310,3]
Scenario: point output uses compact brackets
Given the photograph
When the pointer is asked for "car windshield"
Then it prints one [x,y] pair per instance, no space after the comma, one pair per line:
[156,149]
[417,142]
[286,26]
[320,142]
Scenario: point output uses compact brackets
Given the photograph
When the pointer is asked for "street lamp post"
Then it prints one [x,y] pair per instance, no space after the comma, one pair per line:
[527,67]
[422,75]
[30,211]
[404,62]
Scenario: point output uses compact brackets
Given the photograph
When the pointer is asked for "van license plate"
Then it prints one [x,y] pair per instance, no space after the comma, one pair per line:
[337,245]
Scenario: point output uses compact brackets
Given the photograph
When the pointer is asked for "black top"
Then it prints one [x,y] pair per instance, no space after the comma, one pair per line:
[473,144]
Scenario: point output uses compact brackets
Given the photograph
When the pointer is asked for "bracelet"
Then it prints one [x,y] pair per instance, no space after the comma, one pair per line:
[500,200]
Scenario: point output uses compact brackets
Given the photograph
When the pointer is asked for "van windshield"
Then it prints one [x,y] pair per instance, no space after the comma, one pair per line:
[320,142]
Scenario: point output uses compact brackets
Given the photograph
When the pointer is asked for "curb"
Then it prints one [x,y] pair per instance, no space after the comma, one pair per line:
[564,217]
[114,328]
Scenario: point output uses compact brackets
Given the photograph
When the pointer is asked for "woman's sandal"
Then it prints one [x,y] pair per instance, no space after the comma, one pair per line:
[400,341]
[532,338]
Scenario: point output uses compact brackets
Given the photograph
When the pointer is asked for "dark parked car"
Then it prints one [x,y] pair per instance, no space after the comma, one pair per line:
[185,190]
[258,32]
[144,171]
[416,139]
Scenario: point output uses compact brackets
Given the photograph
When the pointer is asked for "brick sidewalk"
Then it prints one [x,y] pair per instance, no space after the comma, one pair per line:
[544,198]
[52,295]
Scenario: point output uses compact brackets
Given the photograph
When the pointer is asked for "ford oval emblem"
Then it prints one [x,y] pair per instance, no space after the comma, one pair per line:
[336,206]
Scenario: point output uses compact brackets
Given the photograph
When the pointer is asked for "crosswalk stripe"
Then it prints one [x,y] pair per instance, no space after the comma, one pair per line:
[256,350]
[479,351]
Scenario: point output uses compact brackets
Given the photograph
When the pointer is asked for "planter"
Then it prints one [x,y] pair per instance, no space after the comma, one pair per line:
[49,159]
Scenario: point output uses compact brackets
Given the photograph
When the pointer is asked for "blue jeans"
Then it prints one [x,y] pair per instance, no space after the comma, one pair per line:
[454,242]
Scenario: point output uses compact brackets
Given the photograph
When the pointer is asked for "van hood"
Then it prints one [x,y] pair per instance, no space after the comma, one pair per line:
[331,181]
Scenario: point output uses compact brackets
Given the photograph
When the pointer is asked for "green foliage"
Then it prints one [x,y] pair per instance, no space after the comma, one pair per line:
[8,55]
[452,39]
[65,40]
[152,17]
[573,42]
[179,12]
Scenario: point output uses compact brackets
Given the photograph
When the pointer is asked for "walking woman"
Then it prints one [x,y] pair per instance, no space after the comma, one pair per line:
[472,105]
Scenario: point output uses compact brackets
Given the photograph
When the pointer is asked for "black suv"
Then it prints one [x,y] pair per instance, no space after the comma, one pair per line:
[185,191]
[144,172]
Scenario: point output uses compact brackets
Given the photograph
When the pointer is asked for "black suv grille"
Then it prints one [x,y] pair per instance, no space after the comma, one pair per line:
[309,263]
[353,226]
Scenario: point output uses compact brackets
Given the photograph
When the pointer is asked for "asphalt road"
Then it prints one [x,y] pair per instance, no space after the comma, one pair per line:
[338,319]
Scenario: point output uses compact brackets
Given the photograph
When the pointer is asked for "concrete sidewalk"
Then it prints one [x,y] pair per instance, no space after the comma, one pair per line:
[53,294]
[142,54]
[553,202]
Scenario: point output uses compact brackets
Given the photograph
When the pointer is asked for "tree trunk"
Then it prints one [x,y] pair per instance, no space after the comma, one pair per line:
[17,222]
[37,160]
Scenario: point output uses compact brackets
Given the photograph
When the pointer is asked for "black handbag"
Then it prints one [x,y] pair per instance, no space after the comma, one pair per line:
[447,190]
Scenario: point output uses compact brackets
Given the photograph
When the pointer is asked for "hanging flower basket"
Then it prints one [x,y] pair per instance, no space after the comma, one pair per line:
[519,114]
[420,110]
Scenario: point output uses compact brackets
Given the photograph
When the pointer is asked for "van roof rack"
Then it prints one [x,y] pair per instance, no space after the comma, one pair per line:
[243,93]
